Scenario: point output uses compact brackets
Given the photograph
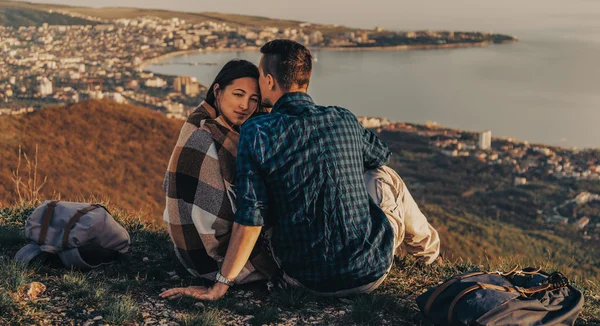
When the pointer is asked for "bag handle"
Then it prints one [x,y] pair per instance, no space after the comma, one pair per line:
[46,221]
[73,220]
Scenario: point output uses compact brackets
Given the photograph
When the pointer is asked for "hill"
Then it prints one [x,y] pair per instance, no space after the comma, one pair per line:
[109,13]
[16,14]
[99,150]
[119,153]
[126,293]
[92,149]
[481,214]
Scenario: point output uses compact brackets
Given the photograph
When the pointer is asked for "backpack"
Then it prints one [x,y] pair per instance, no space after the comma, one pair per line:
[518,297]
[83,235]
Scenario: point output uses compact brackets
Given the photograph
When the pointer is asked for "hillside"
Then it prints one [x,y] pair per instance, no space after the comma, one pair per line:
[481,214]
[126,293]
[92,149]
[102,151]
[16,14]
[37,11]
[119,153]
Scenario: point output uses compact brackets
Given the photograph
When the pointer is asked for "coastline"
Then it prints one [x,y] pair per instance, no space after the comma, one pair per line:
[169,55]
[382,48]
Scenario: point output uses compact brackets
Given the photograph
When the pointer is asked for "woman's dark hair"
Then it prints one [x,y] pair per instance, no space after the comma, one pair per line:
[231,71]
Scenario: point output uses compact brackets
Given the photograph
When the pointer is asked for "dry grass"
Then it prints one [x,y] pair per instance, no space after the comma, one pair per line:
[28,188]
[96,149]
[121,292]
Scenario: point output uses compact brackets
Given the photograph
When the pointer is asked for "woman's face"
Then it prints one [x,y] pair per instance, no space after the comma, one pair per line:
[238,100]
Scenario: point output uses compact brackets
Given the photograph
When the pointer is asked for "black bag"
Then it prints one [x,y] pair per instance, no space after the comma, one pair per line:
[519,297]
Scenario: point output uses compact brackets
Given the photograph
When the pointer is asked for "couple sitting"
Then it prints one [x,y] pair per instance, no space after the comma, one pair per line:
[299,192]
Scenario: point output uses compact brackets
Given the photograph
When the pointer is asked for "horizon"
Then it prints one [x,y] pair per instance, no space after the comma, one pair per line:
[509,15]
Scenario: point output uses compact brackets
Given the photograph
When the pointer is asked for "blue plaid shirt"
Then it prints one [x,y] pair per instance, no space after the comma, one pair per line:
[301,168]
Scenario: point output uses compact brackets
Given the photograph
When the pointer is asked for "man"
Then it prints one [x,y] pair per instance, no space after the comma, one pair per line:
[302,168]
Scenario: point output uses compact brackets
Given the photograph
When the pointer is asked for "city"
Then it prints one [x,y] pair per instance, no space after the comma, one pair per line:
[58,64]
[526,162]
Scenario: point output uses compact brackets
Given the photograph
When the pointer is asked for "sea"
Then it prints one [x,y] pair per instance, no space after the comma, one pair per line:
[543,89]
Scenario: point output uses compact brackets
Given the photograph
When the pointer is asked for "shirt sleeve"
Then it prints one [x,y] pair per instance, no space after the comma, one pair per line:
[251,188]
[375,152]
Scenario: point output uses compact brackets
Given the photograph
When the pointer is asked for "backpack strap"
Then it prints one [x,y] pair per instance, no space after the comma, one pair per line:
[46,221]
[554,281]
[477,286]
[446,285]
[73,220]
[513,271]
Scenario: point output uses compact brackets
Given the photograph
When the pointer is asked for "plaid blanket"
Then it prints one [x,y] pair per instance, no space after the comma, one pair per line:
[200,208]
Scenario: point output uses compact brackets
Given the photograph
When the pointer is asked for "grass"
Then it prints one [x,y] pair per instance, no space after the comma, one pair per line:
[127,292]
[293,298]
[266,315]
[210,317]
[6,303]
[368,309]
[80,290]
[120,309]
[13,275]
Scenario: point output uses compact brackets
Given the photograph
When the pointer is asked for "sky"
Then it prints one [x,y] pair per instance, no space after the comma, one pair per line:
[391,14]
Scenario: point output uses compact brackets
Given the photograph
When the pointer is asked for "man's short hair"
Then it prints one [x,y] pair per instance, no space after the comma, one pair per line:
[289,62]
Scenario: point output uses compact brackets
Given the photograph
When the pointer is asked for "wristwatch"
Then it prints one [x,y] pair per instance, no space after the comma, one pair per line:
[222,279]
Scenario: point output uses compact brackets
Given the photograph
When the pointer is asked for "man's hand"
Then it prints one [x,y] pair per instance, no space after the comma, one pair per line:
[213,293]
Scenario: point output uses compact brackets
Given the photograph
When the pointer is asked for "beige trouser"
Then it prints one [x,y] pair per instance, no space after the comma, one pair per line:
[412,233]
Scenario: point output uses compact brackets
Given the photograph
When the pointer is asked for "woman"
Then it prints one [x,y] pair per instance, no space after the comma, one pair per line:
[201,176]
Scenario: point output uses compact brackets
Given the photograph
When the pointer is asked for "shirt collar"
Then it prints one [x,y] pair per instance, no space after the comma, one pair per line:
[287,98]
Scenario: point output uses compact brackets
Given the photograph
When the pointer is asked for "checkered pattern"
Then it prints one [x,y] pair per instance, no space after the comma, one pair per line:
[301,168]
[201,198]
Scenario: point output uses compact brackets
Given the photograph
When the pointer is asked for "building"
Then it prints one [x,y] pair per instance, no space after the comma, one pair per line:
[117,97]
[180,44]
[187,85]
[45,87]
[520,181]
[485,139]
[558,219]
[316,38]
[583,222]
[367,122]
[155,83]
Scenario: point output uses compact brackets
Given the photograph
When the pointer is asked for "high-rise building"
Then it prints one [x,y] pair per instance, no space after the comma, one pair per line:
[186,85]
[485,139]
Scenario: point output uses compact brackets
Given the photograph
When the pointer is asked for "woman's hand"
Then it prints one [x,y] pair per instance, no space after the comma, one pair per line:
[213,293]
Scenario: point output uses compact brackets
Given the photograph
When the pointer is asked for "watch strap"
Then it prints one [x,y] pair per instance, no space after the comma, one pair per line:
[222,279]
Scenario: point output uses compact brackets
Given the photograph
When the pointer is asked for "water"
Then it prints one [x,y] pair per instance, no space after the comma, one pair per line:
[544,89]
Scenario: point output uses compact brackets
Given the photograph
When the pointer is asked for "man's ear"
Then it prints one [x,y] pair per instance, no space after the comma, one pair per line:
[271,82]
